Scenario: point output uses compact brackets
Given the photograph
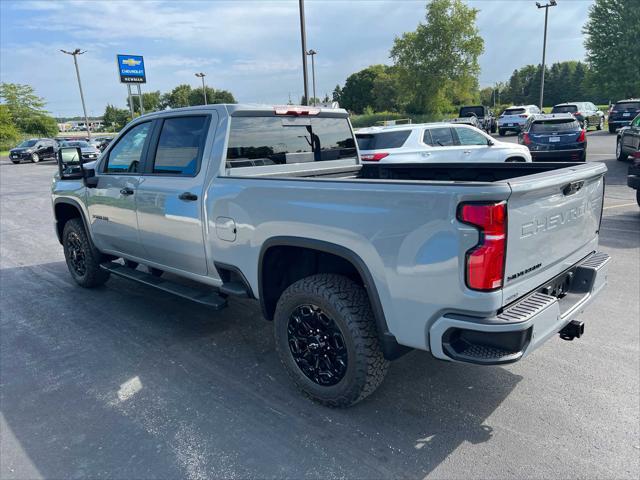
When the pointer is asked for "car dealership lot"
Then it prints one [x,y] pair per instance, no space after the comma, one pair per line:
[124,381]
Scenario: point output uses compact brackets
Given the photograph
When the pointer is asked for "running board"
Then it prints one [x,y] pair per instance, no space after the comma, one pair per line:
[204,297]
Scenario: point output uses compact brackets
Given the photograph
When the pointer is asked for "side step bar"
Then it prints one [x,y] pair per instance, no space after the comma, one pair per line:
[204,297]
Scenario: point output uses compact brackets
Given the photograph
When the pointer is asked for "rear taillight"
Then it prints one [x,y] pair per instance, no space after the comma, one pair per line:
[575,114]
[485,262]
[373,157]
[582,137]
[526,139]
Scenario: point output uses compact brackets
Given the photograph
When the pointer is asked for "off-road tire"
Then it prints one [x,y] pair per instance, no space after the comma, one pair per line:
[93,276]
[347,304]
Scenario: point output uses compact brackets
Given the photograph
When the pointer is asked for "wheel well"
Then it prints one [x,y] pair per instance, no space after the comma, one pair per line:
[63,213]
[515,159]
[284,265]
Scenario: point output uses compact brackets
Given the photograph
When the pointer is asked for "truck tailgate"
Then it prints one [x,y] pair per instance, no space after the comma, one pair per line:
[553,222]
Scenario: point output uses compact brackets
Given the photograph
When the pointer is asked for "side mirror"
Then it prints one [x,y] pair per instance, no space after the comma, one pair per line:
[70,163]
[490,143]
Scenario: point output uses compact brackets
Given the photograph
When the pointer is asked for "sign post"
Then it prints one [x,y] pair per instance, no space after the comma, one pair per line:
[131,71]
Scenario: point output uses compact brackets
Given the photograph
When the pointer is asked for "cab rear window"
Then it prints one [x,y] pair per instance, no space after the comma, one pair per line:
[263,141]
[564,109]
[382,140]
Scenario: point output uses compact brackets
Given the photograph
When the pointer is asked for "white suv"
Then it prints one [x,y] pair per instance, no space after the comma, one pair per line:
[435,143]
[514,118]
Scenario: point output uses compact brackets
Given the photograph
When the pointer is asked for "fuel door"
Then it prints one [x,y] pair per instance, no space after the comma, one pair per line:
[226,229]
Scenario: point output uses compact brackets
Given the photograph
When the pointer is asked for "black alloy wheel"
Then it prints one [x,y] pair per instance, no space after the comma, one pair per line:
[317,345]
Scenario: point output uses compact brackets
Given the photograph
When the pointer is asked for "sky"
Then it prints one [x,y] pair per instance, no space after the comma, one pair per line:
[251,48]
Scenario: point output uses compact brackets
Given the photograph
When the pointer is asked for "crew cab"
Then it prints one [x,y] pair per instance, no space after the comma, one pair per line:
[354,264]
[435,142]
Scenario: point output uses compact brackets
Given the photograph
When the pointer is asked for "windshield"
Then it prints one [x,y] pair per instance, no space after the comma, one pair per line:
[564,109]
[513,111]
[377,141]
[555,126]
[77,144]
[259,141]
[622,106]
[469,111]
[27,143]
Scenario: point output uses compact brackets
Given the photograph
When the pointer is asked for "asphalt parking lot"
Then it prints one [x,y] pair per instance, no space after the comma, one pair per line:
[126,382]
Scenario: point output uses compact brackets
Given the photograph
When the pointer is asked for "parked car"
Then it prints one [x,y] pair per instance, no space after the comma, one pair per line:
[585,112]
[554,137]
[34,150]
[435,143]
[485,118]
[103,142]
[628,140]
[355,264]
[89,152]
[622,113]
[514,118]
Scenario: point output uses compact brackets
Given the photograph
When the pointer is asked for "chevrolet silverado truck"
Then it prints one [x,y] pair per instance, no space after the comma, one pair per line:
[354,264]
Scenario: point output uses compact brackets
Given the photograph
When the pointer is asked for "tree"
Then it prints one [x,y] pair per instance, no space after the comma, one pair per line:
[40,125]
[26,110]
[612,40]
[9,134]
[358,91]
[213,96]
[178,97]
[115,118]
[337,94]
[438,55]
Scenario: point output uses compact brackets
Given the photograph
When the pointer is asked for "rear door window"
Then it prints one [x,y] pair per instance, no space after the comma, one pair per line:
[180,146]
[382,140]
[279,140]
[441,137]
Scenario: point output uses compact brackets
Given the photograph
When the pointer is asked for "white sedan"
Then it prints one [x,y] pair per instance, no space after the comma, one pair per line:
[435,143]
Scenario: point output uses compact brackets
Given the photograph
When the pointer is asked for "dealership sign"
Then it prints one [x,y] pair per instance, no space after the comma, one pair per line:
[131,69]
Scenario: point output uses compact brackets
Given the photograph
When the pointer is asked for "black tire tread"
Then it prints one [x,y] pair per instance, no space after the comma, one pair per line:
[95,275]
[350,300]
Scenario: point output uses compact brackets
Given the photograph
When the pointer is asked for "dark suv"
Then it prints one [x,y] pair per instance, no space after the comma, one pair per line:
[585,112]
[34,150]
[622,113]
[554,137]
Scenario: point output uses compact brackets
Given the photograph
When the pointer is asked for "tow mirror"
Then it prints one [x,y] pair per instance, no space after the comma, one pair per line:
[70,163]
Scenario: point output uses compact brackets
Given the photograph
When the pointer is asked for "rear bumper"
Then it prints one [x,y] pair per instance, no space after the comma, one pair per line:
[524,325]
[572,154]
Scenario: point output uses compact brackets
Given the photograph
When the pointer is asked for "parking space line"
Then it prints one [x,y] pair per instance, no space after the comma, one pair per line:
[618,206]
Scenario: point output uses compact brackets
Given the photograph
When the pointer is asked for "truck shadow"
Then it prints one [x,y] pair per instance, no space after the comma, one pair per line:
[125,382]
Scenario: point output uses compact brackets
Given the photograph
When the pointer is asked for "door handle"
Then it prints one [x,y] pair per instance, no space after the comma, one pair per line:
[126,191]
[188,196]
[466,152]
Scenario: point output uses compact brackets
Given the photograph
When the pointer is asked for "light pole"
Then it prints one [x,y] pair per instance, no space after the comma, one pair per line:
[75,54]
[313,53]
[552,3]
[204,89]
[304,53]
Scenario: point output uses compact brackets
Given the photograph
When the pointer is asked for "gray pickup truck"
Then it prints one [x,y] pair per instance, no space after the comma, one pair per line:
[355,264]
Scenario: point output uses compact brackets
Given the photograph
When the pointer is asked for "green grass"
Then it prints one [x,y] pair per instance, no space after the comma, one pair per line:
[4,153]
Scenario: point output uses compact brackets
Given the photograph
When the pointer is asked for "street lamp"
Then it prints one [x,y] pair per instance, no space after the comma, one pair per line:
[313,53]
[75,54]
[204,89]
[304,52]
[552,3]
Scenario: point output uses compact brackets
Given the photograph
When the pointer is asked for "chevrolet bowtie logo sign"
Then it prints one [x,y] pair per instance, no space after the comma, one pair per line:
[131,69]
[131,62]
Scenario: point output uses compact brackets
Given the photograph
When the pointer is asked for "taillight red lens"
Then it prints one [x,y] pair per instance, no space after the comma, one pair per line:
[575,114]
[485,261]
[373,157]
[636,154]
[526,139]
[582,136]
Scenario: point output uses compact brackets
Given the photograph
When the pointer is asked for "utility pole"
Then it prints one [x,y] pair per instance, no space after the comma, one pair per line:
[204,89]
[313,53]
[304,53]
[75,54]
[552,3]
